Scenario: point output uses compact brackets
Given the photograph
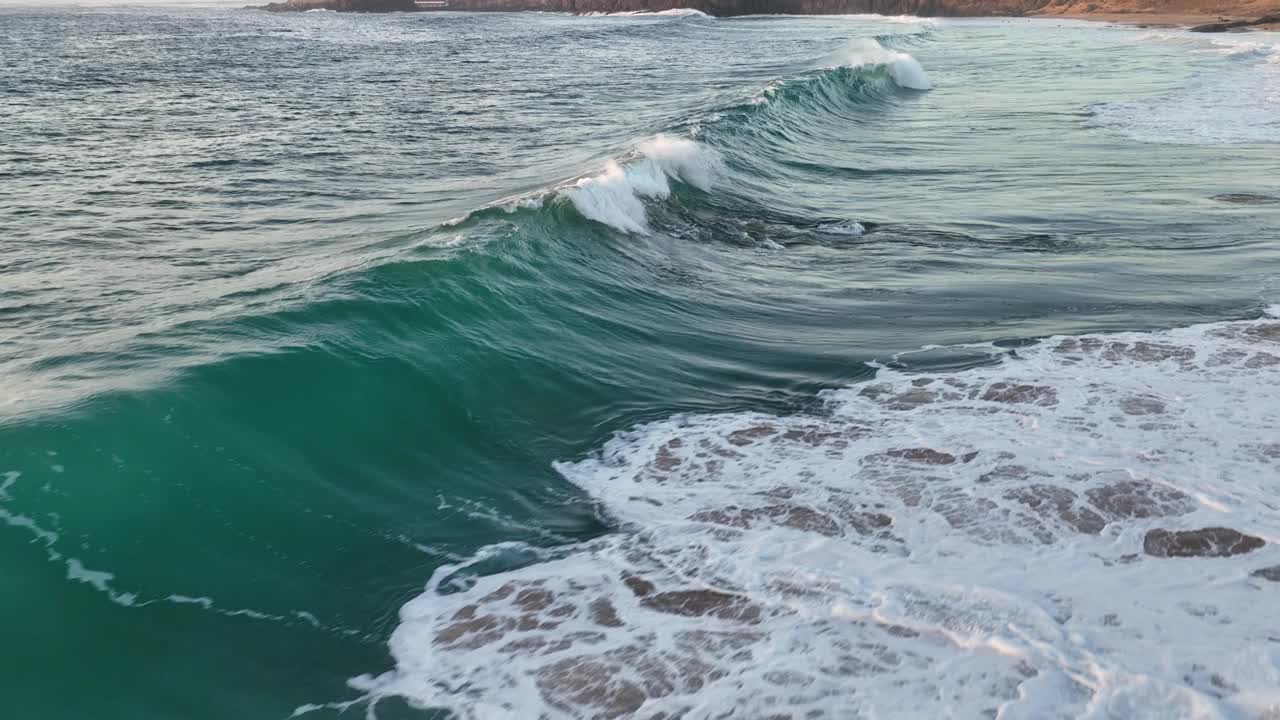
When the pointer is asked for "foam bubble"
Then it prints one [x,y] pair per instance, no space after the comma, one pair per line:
[615,196]
[1022,540]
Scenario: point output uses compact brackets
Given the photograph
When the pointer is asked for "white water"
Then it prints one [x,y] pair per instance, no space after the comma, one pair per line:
[616,196]
[949,545]
[905,70]
[673,12]
[849,227]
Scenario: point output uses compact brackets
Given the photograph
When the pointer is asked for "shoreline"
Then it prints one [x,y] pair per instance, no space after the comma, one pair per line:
[1183,20]
[1196,15]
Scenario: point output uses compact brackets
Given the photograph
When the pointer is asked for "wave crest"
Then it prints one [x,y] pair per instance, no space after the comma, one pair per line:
[616,196]
[673,12]
[905,70]
[864,66]
[865,75]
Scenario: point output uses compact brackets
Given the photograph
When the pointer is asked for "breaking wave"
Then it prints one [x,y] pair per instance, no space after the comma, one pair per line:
[865,75]
[615,196]
[673,12]
[858,73]
[902,67]
[906,545]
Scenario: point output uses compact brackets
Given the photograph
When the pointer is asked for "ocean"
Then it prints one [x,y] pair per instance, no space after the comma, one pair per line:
[657,366]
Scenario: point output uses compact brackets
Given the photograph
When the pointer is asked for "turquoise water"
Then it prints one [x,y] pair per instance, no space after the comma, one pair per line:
[300,313]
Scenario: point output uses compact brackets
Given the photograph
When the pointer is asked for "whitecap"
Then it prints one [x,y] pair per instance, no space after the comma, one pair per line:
[848,227]
[615,197]
[673,12]
[905,70]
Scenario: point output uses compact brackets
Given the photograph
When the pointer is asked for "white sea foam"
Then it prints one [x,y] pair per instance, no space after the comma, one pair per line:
[527,202]
[847,227]
[616,196]
[682,12]
[959,545]
[673,12]
[1239,102]
[894,19]
[861,17]
[905,70]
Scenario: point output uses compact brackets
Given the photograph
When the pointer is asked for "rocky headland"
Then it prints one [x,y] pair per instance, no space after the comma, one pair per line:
[719,8]
[1206,15]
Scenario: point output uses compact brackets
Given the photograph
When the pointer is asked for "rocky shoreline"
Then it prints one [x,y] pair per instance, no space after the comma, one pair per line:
[1217,17]
[1233,25]
[718,8]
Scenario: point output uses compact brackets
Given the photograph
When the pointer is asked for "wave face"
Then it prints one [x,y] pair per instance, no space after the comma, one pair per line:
[908,542]
[866,75]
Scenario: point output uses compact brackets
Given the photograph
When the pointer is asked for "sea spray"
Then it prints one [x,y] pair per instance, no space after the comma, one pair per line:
[616,196]
[905,70]
[856,65]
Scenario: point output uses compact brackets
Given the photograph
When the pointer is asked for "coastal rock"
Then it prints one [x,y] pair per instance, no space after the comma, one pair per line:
[696,603]
[1206,542]
[1268,573]
[730,8]
[1229,25]
[927,456]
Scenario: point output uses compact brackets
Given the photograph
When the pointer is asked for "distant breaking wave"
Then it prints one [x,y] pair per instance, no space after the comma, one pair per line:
[863,74]
[616,197]
[902,67]
[673,12]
